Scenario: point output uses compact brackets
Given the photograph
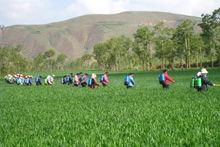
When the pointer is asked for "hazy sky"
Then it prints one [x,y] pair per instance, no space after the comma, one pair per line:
[45,11]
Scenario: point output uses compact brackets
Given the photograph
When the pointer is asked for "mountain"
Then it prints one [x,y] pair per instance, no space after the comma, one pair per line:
[75,37]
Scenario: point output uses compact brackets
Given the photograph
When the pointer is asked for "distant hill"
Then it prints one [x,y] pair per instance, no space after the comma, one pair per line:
[75,37]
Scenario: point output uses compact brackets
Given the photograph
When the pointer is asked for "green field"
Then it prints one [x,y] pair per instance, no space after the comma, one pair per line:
[62,115]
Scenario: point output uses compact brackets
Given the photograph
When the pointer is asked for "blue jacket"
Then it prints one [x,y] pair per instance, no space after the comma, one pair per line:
[130,81]
[37,79]
[26,81]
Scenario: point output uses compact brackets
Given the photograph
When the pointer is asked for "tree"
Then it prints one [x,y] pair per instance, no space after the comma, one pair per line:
[86,61]
[164,45]
[142,43]
[101,54]
[183,35]
[113,54]
[210,34]
[119,47]
[216,38]
[12,60]
[38,62]
[60,60]
[3,29]
[197,46]
[48,56]
[216,35]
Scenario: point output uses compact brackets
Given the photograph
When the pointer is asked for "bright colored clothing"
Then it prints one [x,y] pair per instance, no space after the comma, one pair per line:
[106,78]
[26,81]
[49,80]
[167,79]
[92,81]
[38,80]
[30,81]
[130,81]
[9,78]
[76,80]
[205,83]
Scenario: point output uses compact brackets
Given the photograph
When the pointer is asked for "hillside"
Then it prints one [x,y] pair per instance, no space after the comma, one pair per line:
[75,37]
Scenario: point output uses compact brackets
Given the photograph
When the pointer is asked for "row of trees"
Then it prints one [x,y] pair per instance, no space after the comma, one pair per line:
[189,44]
[49,60]
[13,61]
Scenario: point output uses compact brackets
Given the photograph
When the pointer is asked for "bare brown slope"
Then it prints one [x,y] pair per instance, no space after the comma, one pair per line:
[77,36]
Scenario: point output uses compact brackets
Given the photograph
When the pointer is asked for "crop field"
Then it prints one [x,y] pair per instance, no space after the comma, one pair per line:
[63,115]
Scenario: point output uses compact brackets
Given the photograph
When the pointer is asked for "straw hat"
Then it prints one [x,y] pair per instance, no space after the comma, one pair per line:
[204,71]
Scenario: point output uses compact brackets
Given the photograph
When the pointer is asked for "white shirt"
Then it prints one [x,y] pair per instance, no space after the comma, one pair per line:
[50,79]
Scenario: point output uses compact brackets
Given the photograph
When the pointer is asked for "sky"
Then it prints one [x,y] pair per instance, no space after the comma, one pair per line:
[14,12]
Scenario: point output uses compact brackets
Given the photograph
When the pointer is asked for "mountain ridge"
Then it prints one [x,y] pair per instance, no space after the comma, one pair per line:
[76,36]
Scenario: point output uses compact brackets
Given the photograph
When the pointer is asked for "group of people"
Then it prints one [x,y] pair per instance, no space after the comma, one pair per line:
[78,80]
[27,80]
[199,81]
[84,80]
[19,79]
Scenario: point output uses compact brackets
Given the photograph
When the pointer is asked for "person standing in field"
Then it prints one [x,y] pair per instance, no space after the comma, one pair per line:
[20,79]
[129,80]
[64,79]
[70,79]
[84,80]
[164,79]
[49,80]
[201,83]
[26,80]
[104,79]
[76,79]
[92,83]
[38,80]
[9,79]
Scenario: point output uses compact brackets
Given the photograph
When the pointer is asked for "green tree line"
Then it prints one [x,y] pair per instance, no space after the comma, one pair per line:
[164,47]
[188,45]
[13,61]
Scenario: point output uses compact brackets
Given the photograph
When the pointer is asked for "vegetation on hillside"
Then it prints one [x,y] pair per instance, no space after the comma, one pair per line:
[169,47]
[77,36]
[13,61]
[158,46]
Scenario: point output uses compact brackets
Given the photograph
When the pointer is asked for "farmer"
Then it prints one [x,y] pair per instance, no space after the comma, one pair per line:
[9,79]
[17,79]
[64,79]
[26,80]
[76,79]
[38,80]
[20,79]
[104,79]
[30,80]
[84,80]
[49,80]
[202,82]
[92,83]
[164,79]
[70,78]
[129,80]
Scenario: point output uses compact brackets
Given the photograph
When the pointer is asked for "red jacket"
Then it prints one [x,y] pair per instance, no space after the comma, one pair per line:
[167,78]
